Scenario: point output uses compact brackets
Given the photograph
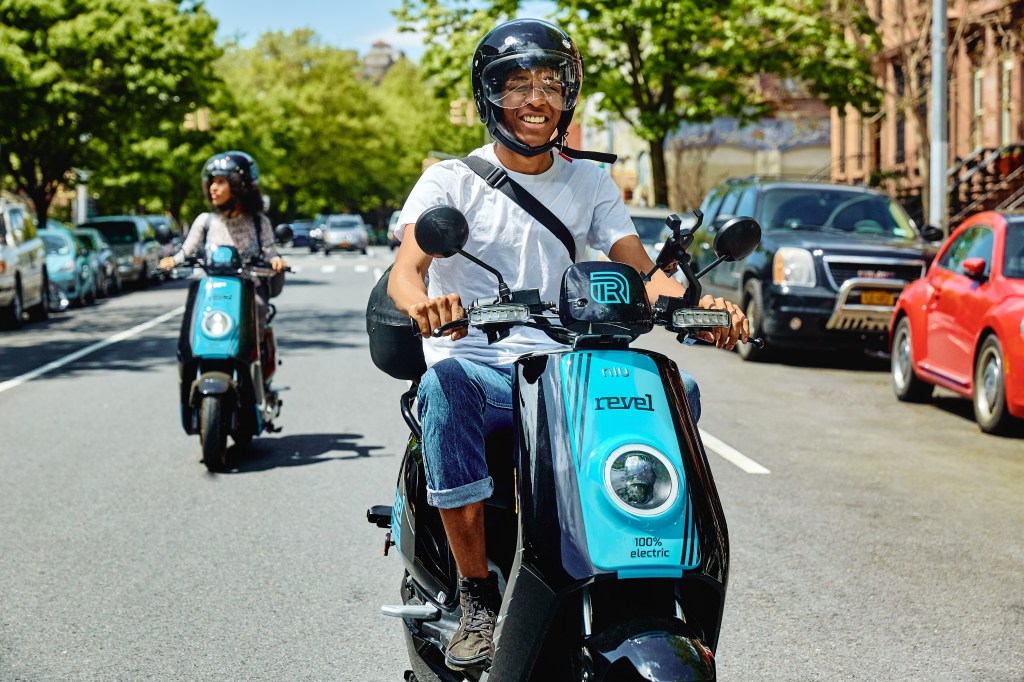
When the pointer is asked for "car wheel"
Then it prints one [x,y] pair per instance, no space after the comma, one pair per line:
[363,250]
[327,252]
[990,389]
[905,384]
[752,309]
[41,310]
[11,316]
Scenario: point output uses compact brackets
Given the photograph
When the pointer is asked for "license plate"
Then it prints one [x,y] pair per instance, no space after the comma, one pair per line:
[344,245]
[877,298]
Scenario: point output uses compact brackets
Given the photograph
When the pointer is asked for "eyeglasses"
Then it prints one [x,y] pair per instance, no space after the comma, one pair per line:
[521,91]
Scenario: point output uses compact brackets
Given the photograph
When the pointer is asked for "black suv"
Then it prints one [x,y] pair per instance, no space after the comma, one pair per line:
[832,261]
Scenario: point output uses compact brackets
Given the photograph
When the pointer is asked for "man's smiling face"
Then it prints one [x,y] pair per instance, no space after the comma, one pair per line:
[534,100]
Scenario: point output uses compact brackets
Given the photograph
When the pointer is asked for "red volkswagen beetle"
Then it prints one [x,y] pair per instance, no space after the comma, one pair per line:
[962,325]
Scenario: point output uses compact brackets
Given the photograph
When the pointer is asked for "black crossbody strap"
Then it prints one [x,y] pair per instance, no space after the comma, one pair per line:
[499,180]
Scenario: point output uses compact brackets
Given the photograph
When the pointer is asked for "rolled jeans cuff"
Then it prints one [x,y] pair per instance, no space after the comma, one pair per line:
[452,498]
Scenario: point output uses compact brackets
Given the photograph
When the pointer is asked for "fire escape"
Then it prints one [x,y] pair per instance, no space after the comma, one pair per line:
[987,179]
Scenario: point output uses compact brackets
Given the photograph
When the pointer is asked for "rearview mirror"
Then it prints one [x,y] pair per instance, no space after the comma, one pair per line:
[932,234]
[737,238]
[441,231]
[283,233]
[162,234]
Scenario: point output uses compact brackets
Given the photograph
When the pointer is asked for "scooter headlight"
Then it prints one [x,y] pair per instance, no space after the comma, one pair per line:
[641,480]
[217,324]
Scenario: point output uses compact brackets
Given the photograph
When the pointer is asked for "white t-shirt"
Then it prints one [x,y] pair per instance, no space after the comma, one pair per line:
[508,239]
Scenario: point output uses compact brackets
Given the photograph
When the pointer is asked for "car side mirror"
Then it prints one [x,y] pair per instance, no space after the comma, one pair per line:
[441,231]
[932,234]
[284,233]
[737,238]
[975,268]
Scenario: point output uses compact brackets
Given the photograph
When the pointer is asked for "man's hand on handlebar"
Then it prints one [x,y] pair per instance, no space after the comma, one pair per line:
[167,263]
[277,263]
[437,312]
[722,337]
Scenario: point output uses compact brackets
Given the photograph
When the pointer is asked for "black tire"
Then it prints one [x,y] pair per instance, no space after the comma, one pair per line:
[327,252]
[116,289]
[989,395]
[142,279]
[213,432]
[41,311]
[905,383]
[752,306]
[11,316]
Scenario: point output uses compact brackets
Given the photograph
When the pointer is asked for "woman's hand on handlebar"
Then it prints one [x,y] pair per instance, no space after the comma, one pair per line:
[439,311]
[278,264]
[722,337]
[167,263]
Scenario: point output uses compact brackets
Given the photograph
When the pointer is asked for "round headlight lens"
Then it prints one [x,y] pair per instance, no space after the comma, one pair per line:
[217,324]
[641,480]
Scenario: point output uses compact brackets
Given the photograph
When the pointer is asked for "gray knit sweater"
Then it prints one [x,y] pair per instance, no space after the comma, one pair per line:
[238,232]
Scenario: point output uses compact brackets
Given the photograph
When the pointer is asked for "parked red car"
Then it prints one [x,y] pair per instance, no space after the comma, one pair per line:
[961,326]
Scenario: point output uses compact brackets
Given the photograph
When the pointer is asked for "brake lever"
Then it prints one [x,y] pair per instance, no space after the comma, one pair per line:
[690,339]
[454,324]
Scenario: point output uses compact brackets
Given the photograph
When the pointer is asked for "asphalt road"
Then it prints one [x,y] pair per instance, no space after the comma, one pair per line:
[886,540]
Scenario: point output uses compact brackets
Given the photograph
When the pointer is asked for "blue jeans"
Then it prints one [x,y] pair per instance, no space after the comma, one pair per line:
[460,404]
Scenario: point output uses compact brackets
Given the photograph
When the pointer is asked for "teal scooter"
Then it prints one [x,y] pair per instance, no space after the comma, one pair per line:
[225,363]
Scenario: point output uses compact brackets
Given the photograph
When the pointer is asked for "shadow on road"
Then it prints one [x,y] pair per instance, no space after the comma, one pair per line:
[854,361]
[301,450]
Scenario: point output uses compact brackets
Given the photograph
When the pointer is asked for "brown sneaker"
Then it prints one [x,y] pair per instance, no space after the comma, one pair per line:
[473,645]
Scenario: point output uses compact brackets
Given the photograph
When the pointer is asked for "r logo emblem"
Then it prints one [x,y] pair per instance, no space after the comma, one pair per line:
[609,287]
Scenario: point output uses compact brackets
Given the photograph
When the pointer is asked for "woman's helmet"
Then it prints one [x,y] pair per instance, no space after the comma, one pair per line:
[239,168]
[538,48]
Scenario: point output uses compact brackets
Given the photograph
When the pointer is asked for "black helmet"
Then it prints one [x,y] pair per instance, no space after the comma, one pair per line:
[239,168]
[524,43]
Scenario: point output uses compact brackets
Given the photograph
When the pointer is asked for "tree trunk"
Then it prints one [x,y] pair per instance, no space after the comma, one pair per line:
[658,175]
[41,199]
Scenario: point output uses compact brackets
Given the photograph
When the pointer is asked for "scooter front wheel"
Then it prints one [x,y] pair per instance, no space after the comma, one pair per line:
[213,433]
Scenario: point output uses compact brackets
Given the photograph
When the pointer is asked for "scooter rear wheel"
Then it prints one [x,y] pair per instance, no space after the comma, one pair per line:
[213,433]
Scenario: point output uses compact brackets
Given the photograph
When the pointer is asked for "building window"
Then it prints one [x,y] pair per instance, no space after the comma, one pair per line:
[842,142]
[1006,124]
[901,117]
[978,112]
[860,143]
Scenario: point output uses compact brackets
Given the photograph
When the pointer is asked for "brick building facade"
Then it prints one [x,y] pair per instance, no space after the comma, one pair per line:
[986,107]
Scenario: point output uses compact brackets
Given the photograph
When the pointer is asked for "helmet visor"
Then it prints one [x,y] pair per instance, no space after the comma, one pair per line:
[517,80]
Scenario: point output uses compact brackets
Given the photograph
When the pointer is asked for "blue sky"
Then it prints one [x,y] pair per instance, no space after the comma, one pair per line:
[347,24]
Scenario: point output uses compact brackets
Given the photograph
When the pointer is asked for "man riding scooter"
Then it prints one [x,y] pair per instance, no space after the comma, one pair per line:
[526,77]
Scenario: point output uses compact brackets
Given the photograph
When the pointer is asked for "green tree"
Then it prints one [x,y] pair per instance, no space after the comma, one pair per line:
[658,64]
[78,77]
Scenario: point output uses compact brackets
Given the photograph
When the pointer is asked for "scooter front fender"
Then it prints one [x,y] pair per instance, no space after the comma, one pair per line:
[658,650]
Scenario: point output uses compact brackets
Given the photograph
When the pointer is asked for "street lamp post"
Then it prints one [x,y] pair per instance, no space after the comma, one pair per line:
[940,112]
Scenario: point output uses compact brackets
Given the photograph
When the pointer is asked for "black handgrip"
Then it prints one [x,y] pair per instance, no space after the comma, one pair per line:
[757,342]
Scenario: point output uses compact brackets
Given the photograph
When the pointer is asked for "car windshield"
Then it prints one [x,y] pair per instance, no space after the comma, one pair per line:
[56,245]
[342,223]
[301,227]
[649,229]
[835,210]
[120,232]
[1013,259]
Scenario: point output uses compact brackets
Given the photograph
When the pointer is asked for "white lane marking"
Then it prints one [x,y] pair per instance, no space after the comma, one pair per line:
[120,336]
[362,268]
[328,268]
[731,454]
[377,273]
